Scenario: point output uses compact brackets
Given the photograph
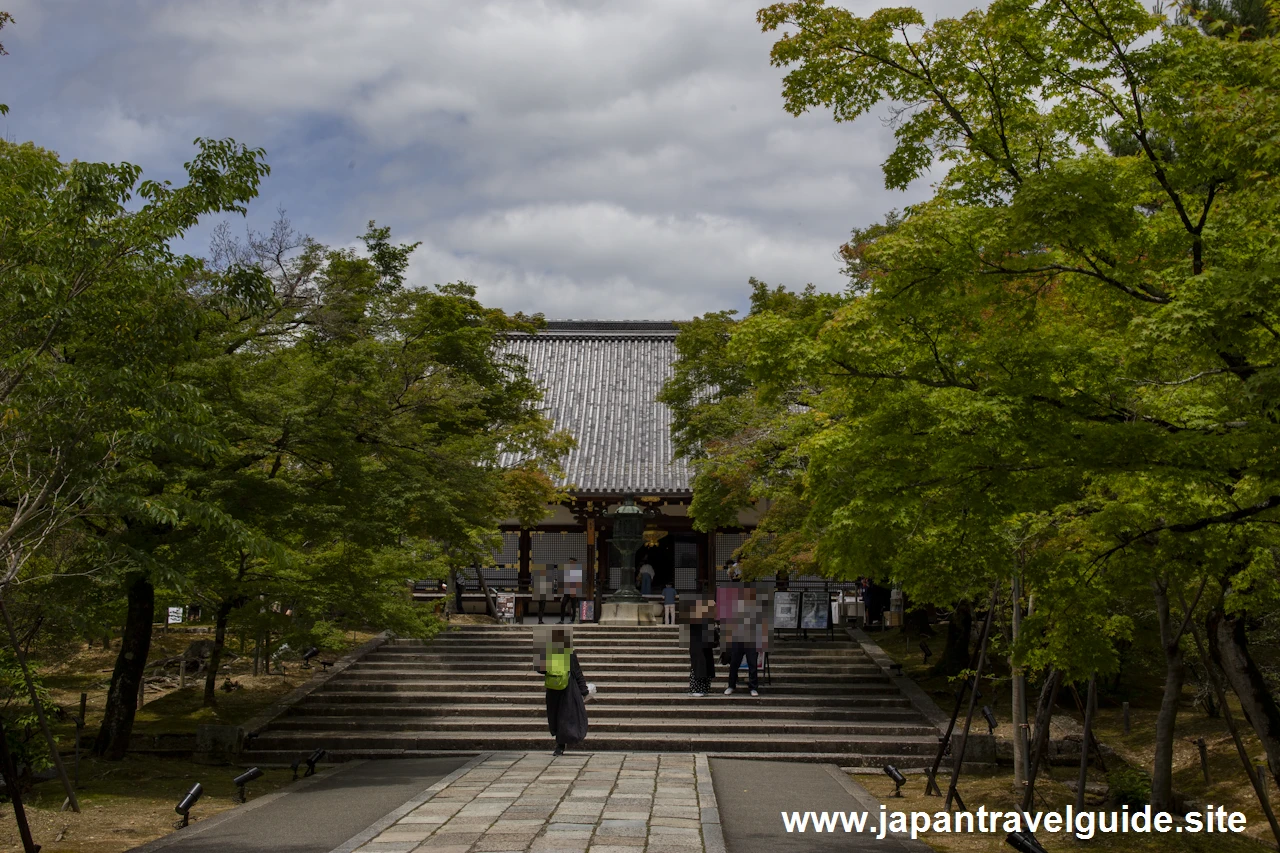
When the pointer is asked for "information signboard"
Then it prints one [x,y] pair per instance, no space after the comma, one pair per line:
[813,610]
[175,616]
[786,610]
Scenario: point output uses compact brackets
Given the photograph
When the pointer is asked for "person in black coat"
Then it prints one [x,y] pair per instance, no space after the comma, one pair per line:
[567,708]
[703,639]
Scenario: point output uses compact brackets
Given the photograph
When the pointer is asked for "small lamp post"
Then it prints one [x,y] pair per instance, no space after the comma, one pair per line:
[627,537]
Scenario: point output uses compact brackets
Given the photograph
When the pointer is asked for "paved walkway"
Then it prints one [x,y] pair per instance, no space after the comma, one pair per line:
[753,794]
[312,815]
[606,802]
[602,802]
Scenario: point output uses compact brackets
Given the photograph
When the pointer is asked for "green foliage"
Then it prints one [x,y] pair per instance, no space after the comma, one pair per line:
[1129,786]
[96,318]
[1062,366]
[5,18]
[284,433]
[21,725]
[742,413]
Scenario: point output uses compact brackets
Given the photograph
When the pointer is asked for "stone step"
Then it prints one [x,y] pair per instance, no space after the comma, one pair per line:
[435,653]
[607,664]
[662,688]
[655,659]
[905,763]
[716,706]
[584,637]
[474,689]
[602,673]
[579,637]
[535,722]
[776,742]
[672,700]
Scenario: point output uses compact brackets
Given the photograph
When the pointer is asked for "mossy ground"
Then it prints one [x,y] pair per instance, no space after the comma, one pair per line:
[1228,785]
[127,803]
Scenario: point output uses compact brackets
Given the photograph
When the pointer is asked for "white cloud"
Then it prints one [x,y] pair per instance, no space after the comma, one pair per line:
[580,258]
[569,156]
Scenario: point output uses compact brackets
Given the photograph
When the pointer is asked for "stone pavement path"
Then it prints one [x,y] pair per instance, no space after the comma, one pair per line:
[577,803]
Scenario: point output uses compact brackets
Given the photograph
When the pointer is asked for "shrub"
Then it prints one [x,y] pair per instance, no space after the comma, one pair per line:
[1129,786]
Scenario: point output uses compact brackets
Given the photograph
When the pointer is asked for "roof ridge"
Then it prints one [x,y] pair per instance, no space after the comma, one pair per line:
[610,326]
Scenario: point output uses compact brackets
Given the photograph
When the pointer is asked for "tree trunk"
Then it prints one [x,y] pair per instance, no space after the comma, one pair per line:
[955,655]
[490,605]
[215,656]
[1174,674]
[1090,708]
[135,644]
[1019,679]
[1229,646]
[1044,716]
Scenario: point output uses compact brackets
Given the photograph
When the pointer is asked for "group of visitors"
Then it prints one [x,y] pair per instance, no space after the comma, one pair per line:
[544,590]
[568,690]
[741,642]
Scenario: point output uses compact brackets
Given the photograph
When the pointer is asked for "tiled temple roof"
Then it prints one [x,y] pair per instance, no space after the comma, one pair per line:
[600,380]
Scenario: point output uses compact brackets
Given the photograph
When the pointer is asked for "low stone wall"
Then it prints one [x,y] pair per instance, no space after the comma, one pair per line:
[219,744]
[172,745]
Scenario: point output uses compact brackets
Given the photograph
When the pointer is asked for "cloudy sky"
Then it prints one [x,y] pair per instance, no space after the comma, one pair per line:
[581,158]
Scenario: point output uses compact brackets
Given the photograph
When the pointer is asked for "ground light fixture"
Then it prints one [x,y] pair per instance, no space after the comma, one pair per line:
[244,779]
[312,760]
[990,717]
[308,655]
[184,805]
[1024,842]
[898,779]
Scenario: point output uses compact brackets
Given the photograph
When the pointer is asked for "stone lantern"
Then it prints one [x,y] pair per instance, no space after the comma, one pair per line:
[627,537]
[627,606]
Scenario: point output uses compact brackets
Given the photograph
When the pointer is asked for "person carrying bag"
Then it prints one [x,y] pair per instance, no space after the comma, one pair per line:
[567,690]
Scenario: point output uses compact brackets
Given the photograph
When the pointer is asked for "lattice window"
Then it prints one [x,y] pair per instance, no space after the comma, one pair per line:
[726,544]
[503,578]
[686,556]
[508,556]
[558,548]
[802,582]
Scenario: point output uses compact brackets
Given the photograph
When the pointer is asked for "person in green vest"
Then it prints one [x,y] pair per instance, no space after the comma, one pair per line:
[567,690]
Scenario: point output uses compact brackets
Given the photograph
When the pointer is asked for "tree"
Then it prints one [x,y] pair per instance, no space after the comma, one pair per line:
[96,318]
[362,423]
[1070,352]
[742,421]
[5,18]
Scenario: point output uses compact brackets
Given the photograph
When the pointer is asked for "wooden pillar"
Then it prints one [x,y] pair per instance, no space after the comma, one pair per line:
[602,558]
[590,573]
[526,550]
[701,544]
[712,563]
[525,577]
[601,554]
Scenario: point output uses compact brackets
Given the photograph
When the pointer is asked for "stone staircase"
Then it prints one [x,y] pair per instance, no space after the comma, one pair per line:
[473,689]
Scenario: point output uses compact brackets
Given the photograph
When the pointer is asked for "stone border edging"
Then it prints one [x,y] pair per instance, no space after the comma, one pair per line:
[914,693]
[871,805]
[222,817]
[377,827]
[255,725]
[712,831]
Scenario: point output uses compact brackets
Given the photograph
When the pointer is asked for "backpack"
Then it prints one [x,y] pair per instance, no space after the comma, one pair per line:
[558,665]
